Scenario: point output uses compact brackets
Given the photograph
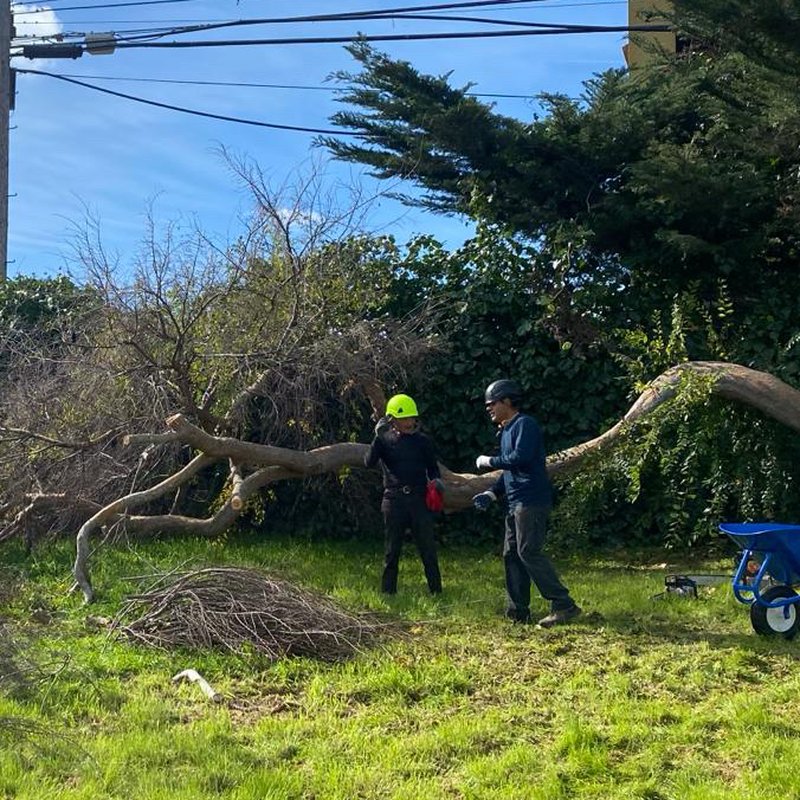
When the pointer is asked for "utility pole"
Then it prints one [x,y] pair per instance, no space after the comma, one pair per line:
[6,89]
[95,43]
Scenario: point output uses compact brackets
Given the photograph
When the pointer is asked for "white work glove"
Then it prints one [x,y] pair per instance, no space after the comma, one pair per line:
[483,462]
[483,500]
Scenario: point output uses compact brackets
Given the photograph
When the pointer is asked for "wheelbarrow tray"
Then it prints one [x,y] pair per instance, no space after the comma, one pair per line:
[777,547]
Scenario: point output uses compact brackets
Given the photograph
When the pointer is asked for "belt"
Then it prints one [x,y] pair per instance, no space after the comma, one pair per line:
[393,491]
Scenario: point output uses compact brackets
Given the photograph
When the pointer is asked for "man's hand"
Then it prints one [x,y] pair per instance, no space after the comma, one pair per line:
[383,426]
[483,500]
[483,462]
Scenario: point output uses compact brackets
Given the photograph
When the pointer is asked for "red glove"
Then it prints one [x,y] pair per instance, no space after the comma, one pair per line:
[434,497]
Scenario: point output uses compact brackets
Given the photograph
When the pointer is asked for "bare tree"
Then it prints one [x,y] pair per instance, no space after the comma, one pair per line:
[275,338]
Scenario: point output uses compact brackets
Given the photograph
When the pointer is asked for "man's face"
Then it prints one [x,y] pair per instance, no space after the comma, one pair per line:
[500,410]
[406,424]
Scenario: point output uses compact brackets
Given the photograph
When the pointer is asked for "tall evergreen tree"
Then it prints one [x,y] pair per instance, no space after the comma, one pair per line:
[683,171]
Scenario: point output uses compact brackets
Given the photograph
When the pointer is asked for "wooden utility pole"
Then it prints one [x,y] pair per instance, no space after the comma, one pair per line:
[5,105]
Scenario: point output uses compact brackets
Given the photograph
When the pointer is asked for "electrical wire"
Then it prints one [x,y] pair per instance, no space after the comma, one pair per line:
[194,112]
[181,22]
[249,85]
[341,16]
[405,12]
[401,13]
[397,37]
[149,34]
[40,51]
[104,5]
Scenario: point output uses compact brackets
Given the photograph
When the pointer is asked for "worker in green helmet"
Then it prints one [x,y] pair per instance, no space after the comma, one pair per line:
[408,463]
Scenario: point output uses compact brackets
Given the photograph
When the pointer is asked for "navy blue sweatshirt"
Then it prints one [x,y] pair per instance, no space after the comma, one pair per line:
[407,459]
[522,459]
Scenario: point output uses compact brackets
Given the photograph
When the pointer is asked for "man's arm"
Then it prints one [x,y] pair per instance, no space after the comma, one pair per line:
[374,453]
[499,487]
[431,464]
[528,442]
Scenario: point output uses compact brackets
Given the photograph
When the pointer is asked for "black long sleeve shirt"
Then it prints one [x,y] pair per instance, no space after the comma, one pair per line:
[406,459]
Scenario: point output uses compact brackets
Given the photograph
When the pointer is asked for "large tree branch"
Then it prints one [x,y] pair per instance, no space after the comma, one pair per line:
[760,390]
[757,389]
[121,505]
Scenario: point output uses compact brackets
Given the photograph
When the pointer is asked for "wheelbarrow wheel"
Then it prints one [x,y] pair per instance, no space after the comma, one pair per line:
[782,621]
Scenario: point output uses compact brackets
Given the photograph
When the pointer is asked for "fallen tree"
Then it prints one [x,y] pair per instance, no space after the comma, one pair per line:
[254,466]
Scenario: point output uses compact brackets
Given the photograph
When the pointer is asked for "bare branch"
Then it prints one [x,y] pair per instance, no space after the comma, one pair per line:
[123,504]
[135,439]
[20,434]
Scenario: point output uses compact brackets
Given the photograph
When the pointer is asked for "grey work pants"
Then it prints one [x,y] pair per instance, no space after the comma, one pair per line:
[526,528]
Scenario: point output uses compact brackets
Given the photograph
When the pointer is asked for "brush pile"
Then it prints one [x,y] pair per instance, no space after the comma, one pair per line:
[242,610]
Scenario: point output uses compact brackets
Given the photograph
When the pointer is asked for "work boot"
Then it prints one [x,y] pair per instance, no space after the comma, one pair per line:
[560,617]
[519,616]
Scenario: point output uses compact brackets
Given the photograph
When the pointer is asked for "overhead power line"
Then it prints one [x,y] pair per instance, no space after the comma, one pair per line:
[555,30]
[252,85]
[142,34]
[137,35]
[104,5]
[540,6]
[149,34]
[398,13]
[343,15]
[194,112]
[42,51]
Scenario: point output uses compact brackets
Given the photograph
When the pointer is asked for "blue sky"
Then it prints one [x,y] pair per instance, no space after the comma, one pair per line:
[75,151]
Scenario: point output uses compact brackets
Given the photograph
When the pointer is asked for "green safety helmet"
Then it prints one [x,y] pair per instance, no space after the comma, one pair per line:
[400,406]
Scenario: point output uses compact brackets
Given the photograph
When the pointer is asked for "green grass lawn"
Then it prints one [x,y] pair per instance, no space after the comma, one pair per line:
[641,698]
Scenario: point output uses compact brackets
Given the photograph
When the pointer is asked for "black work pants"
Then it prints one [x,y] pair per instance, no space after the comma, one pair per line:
[526,528]
[402,512]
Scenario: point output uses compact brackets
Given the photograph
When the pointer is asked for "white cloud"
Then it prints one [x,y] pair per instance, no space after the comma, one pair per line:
[43,23]
[35,28]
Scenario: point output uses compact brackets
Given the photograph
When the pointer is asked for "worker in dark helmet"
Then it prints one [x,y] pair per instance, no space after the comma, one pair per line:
[528,494]
[408,463]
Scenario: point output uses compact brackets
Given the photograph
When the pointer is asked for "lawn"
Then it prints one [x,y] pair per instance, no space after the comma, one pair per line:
[641,698]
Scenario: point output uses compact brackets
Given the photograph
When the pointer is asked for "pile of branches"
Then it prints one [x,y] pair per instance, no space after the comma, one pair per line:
[240,610]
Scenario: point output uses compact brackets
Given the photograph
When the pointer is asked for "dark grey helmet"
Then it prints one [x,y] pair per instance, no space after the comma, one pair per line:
[502,389]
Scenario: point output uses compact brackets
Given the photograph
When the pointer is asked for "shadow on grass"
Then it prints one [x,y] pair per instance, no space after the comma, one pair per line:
[677,631]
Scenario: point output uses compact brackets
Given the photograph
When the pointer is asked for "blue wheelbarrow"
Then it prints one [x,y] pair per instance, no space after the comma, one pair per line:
[768,571]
